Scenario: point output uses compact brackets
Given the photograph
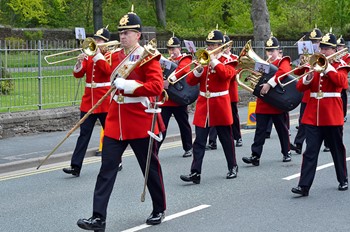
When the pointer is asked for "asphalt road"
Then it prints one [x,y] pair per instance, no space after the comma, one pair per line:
[259,199]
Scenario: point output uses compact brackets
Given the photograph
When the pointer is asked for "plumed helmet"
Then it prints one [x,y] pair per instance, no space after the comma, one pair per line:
[215,37]
[102,33]
[272,43]
[315,34]
[173,42]
[328,40]
[130,21]
[341,41]
[226,39]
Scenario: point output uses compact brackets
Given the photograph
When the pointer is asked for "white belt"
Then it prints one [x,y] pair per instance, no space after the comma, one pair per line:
[320,95]
[213,94]
[97,85]
[120,99]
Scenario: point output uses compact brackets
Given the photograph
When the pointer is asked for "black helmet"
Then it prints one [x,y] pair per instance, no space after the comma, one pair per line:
[328,40]
[315,34]
[173,42]
[272,43]
[215,37]
[226,38]
[130,21]
[102,33]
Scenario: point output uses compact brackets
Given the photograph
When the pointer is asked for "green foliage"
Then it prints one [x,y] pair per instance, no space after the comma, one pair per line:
[289,19]
[33,35]
[6,83]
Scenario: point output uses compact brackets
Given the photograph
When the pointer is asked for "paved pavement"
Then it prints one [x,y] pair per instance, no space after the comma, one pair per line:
[28,151]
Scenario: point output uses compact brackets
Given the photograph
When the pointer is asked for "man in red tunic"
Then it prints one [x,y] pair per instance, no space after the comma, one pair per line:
[213,108]
[97,71]
[323,117]
[170,107]
[315,37]
[265,111]
[346,58]
[128,123]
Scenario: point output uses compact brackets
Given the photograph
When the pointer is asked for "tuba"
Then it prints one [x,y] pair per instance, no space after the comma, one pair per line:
[284,98]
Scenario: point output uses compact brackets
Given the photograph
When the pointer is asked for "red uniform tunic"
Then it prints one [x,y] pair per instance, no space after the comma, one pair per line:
[214,80]
[306,95]
[97,72]
[233,89]
[181,61]
[262,107]
[127,121]
[326,111]
[346,59]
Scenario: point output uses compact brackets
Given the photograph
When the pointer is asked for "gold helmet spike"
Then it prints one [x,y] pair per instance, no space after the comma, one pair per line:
[330,30]
[217,26]
[107,26]
[173,34]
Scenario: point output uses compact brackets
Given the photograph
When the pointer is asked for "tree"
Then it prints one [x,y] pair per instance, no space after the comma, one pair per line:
[97,14]
[160,12]
[261,20]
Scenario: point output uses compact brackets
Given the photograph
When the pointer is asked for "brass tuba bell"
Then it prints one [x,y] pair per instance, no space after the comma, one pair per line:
[246,61]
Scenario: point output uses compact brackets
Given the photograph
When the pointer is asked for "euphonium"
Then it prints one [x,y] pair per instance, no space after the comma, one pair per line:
[285,99]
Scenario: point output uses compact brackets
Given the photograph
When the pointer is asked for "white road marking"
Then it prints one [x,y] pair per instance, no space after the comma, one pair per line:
[170,217]
[317,169]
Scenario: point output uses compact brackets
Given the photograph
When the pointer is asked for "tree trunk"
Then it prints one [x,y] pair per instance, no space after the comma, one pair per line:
[261,20]
[97,14]
[160,12]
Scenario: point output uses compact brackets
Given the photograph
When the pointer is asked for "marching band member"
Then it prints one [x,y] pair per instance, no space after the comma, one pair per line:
[213,107]
[346,59]
[170,107]
[128,123]
[323,118]
[233,91]
[97,71]
[315,37]
[265,112]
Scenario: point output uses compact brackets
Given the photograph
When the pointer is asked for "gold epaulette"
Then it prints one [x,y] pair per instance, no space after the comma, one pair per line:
[150,57]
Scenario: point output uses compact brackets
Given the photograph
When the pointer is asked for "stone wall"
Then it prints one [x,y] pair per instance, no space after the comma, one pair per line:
[60,119]
[31,122]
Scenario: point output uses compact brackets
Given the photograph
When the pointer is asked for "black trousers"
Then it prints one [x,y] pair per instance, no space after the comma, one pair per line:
[86,129]
[269,125]
[300,137]
[344,97]
[226,139]
[333,135]
[181,116]
[280,123]
[236,126]
[112,152]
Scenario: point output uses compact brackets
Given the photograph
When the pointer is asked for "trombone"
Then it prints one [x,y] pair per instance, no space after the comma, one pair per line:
[202,58]
[318,63]
[89,47]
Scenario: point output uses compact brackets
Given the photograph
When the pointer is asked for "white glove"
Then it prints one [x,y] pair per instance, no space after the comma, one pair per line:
[119,83]
[172,78]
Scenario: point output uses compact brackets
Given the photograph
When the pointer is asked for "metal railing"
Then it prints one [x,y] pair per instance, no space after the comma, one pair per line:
[28,83]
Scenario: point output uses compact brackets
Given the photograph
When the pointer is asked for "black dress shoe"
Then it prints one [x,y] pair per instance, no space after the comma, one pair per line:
[296,148]
[232,173]
[301,190]
[326,149]
[94,223]
[211,146]
[343,186]
[252,160]
[75,171]
[193,177]
[239,143]
[187,154]
[287,158]
[267,135]
[120,167]
[155,218]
